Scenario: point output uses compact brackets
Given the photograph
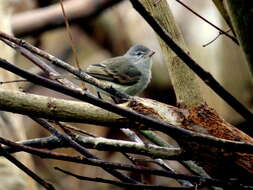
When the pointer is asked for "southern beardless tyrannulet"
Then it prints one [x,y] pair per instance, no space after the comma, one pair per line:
[130,73]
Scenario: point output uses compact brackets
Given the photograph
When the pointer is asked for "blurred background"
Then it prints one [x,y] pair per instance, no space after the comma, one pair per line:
[110,33]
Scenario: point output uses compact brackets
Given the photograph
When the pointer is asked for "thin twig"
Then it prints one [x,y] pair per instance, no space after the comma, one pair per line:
[208,22]
[70,35]
[120,184]
[216,37]
[190,165]
[82,75]
[81,131]
[82,150]
[134,137]
[51,72]
[29,172]
[127,167]
[13,81]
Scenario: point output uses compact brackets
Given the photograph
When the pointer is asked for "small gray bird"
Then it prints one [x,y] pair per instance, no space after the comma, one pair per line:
[129,73]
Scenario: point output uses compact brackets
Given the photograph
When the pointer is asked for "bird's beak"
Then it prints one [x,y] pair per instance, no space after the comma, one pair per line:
[150,53]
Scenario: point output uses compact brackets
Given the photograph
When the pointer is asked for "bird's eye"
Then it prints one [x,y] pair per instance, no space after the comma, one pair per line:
[139,53]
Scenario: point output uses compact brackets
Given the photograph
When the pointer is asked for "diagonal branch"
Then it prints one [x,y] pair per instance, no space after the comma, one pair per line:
[75,71]
[208,22]
[204,75]
[22,167]
[127,185]
[82,150]
[94,162]
[182,135]
[104,144]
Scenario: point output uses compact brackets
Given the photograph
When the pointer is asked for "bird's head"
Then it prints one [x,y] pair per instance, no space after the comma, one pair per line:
[140,52]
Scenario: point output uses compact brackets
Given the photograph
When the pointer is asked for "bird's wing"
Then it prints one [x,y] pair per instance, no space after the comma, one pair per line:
[120,71]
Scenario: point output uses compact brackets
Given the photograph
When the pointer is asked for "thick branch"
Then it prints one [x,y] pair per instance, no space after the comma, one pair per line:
[104,144]
[57,109]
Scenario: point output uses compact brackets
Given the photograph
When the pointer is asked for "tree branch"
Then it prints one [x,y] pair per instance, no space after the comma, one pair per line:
[127,167]
[120,184]
[56,109]
[204,75]
[29,172]
[175,132]
[103,144]
[83,151]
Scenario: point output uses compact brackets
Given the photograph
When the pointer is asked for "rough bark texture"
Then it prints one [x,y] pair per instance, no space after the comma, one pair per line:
[216,161]
[224,165]
[201,117]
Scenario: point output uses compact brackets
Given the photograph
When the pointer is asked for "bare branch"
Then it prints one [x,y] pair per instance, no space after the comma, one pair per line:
[22,167]
[120,184]
[175,132]
[82,75]
[127,167]
[208,22]
[204,75]
[57,109]
[82,150]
